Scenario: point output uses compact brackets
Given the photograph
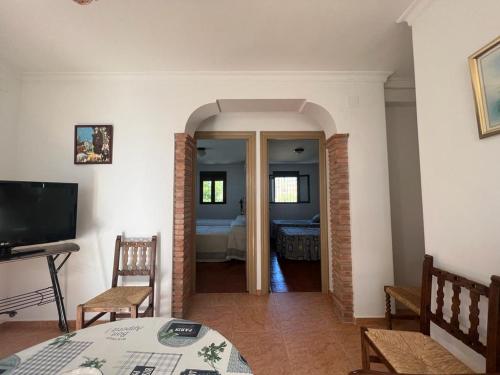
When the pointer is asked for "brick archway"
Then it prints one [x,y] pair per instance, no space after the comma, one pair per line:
[184,224]
[339,228]
[340,225]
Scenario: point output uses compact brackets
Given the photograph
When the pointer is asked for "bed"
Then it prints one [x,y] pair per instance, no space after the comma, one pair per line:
[220,240]
[304,223]
[299,243]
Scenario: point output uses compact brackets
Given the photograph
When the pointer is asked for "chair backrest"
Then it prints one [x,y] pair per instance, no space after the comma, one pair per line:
[475,290]
[134,258]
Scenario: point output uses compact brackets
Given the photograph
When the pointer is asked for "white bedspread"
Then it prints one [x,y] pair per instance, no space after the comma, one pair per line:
[219,240]
[238,235]
[214,222]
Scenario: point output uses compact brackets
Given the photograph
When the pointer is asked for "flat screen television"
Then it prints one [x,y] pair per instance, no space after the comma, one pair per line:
[36,212]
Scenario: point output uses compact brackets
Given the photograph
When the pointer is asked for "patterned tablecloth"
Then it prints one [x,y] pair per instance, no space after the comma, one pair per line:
[299,243]
[132,347]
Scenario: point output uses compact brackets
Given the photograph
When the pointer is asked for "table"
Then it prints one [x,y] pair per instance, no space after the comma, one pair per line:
[11,305]
[133,346]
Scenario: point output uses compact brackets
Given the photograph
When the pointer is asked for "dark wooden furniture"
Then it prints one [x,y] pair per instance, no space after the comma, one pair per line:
[409,297]
[415,352]
[10,306]
[373,372]
[137,259]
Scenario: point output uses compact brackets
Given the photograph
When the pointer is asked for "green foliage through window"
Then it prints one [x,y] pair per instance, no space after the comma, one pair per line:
[213,187]
[285,189]
[219,191]
[289,187]
[207,191]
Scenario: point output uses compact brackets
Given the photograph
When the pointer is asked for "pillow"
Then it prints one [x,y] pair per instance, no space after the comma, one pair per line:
[239,221]
[315,218]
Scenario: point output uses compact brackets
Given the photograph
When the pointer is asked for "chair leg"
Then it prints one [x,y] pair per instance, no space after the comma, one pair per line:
[134,311]
[112,317]
[80,317]
[365,357]
[388,311]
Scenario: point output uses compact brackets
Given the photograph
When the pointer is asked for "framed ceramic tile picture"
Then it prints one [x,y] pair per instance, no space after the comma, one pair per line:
[93,144]
[485,73]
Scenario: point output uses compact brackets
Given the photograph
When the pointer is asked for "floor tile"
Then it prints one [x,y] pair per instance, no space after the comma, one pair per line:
[280,333]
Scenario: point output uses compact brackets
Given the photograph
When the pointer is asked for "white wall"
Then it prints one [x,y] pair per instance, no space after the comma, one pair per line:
[146,111]
[406,195]
[297,210]
[10,89]
[460,173]
[235,190]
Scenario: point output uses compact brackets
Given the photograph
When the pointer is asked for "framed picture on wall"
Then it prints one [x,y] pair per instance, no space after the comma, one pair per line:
[93,144]
[485,72]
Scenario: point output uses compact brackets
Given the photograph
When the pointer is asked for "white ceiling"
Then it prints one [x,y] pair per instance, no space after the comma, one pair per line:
[230,151]
[282,152]
[227,151]
[163,35]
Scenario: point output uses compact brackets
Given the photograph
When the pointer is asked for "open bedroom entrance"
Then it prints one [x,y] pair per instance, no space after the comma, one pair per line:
[294,212]
[221,189]
[264,114]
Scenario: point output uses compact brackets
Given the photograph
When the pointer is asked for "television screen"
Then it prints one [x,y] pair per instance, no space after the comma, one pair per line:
[36,212]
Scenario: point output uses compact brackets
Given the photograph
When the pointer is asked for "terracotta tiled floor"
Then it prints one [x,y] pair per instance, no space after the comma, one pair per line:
[283,333]
[295,275]
[223,277]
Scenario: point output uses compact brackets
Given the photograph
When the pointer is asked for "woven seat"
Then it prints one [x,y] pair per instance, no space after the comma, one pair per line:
[405,295]
[406,352]
[408,296]
[415,353]
[115,299]
[137,258]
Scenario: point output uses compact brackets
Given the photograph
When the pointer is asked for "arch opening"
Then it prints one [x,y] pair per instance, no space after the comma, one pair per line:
[313,111]
[338,204]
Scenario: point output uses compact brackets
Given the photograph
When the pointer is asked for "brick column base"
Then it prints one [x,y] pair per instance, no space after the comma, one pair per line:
[184,225]
[340,226]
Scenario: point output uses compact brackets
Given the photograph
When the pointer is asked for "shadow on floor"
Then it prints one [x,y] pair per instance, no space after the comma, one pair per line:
[294,275]
[221,277]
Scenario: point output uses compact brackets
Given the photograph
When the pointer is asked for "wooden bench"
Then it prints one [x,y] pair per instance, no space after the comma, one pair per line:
[373,372]
[408,297]
[416,352]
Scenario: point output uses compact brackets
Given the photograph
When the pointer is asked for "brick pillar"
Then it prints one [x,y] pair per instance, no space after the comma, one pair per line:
[340,225]
[183,242]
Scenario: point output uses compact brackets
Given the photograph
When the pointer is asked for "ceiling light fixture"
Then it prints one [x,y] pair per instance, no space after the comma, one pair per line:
[299,150]
[83,2]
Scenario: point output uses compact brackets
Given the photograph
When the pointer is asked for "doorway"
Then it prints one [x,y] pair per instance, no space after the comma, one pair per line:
[183,273]
[293,209]
[295,248]
[224,254]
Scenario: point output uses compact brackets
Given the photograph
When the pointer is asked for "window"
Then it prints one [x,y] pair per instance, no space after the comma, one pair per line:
[289,187]
[286,189]
[212,187]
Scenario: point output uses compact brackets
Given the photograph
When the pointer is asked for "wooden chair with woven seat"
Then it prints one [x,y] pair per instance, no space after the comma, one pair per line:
[138,258]
[406,352]
[407,296]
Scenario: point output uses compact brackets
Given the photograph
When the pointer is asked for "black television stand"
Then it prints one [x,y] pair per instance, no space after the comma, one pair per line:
[24,253]
[5,252]
[11,305]
[9,252]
